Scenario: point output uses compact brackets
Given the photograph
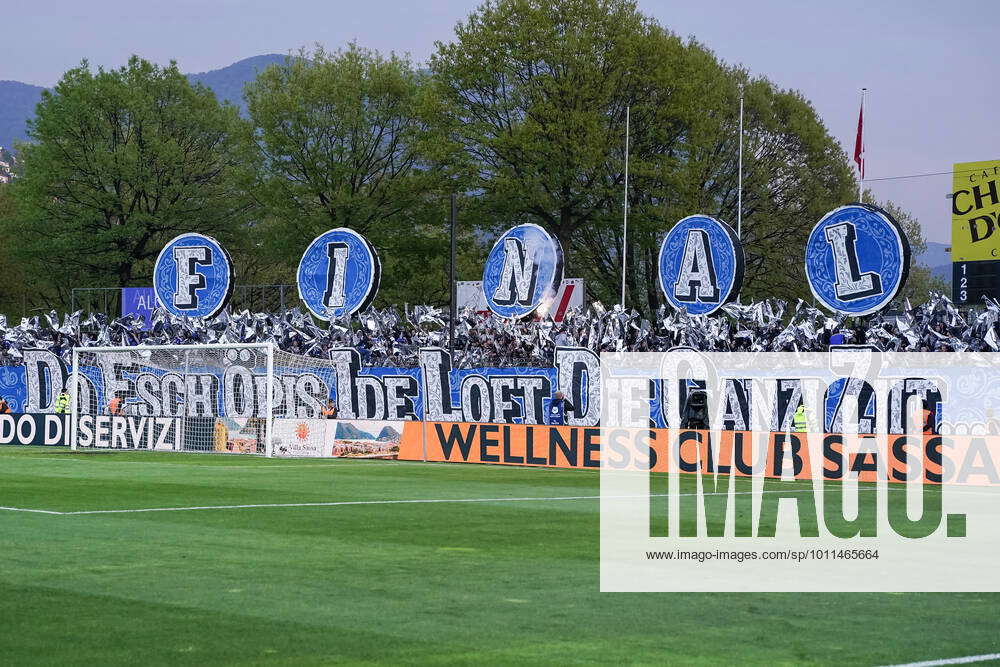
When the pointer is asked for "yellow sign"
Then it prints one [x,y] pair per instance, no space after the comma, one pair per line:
[975,211]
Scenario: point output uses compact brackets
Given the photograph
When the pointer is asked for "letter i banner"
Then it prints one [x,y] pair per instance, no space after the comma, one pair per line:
[339,274]
[857,259]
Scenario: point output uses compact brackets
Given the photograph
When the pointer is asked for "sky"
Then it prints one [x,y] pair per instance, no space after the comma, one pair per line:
[931,68]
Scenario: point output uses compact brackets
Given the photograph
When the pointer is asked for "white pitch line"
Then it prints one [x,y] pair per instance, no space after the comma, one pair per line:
[22,509]
[964,660]
[316,504]
[346,462]
[335,504]
[195,465]
[358,464]
[389,502]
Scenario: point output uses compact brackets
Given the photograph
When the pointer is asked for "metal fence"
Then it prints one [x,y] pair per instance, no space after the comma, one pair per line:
[255,298]
[107,300]
[264,298]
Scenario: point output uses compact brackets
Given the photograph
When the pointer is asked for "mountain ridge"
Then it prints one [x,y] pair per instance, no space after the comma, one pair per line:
[18,100]
[227,82]
[938,259]
[17,105]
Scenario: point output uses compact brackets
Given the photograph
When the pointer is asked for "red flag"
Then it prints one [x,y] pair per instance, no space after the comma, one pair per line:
[859,145]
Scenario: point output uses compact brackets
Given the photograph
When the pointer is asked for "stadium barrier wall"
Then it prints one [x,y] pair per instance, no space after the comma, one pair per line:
[973,460]
[34,429]
[328,438]
[508,444]
[131,432]
[945,459]
[337,438]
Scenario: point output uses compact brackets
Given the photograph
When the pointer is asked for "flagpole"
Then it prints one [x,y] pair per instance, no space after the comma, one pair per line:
[739,178]
[861,167]
[625,216]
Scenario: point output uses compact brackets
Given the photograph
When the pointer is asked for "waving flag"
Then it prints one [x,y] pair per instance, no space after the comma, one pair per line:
[859,144]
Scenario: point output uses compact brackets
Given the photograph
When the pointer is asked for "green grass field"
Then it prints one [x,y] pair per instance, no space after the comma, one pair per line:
[445,583]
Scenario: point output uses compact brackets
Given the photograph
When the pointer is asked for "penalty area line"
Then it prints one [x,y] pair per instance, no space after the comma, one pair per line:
[964,660]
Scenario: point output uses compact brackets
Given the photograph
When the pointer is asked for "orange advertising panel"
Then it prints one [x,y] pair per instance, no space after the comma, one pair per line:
[511,444]
[896,458]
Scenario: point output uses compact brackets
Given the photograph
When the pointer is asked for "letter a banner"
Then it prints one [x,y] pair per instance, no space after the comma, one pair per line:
[701,265]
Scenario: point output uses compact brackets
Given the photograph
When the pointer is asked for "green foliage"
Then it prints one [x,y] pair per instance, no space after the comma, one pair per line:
[920,284]
[355,139]
[541,91]
[13,279]
[523,114]
[921,281]
[910,225]
[120,162]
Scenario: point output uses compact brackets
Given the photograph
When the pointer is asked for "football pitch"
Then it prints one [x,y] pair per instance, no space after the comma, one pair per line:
[157,558]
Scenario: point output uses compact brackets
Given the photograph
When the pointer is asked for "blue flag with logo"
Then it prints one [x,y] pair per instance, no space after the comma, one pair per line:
[557,412]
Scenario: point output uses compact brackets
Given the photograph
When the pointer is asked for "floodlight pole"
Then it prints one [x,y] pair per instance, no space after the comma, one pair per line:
[452,283]
[739,178]
[268,401]
[625,214]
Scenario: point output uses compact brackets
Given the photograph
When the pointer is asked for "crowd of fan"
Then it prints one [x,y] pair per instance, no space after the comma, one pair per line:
[389,338]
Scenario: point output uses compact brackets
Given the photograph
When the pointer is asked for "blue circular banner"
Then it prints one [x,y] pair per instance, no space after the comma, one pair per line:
[193,276]
[857,259]
[339,274]
[523,272]
[701,265]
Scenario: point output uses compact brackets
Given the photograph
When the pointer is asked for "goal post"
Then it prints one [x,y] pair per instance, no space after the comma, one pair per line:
[192,398]
[269,390]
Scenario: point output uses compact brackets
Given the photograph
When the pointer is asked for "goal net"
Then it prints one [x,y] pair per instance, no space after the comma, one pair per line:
[243,399]
[328,408]
[194,398]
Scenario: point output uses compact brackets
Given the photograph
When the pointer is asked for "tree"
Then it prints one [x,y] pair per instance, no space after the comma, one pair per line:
[119,162]
[921,282]
[794,172]
[13,280]
[355,139]
[540,90]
